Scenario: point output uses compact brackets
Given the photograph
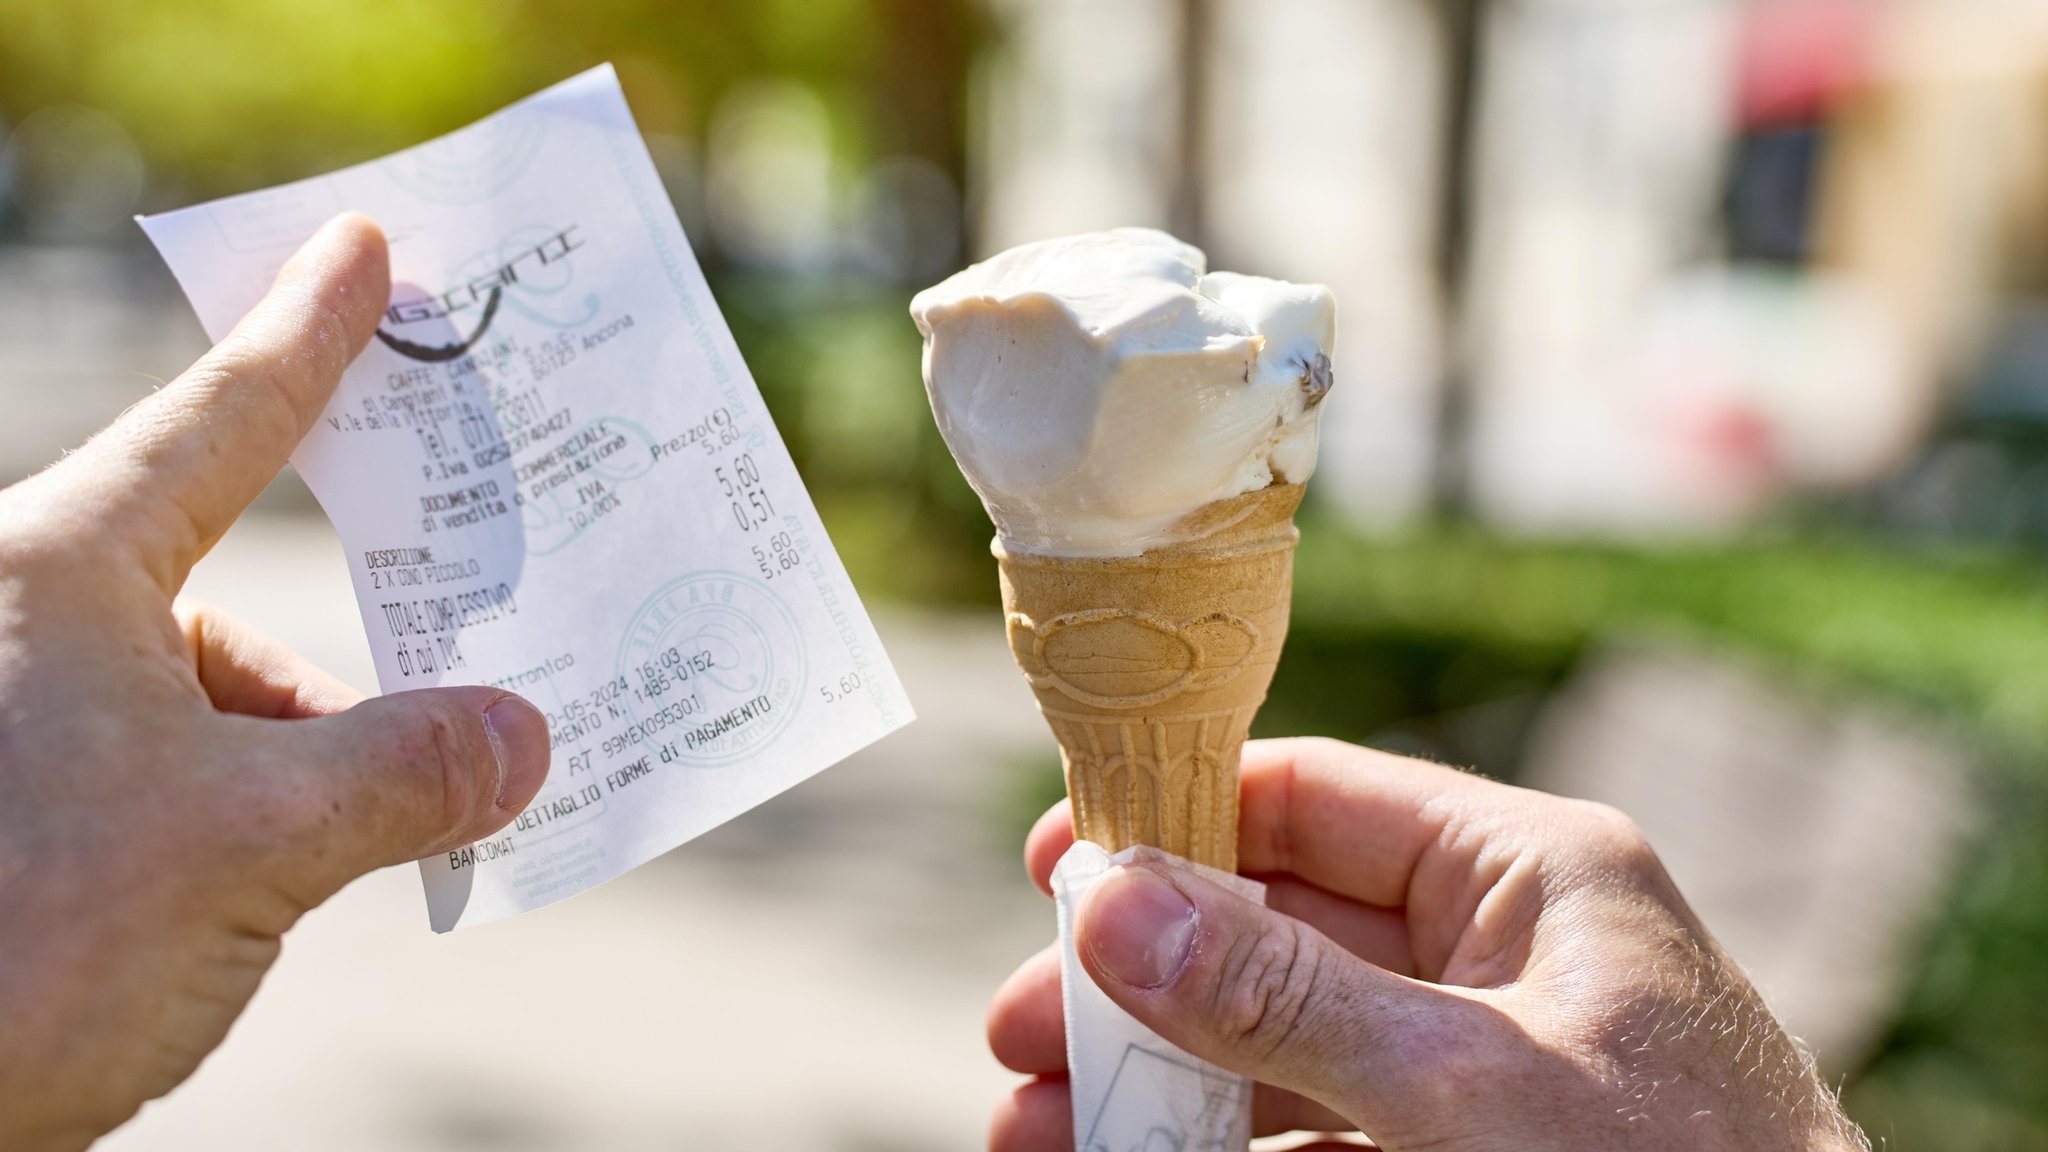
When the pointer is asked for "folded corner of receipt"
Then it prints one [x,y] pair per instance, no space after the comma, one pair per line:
[1133,1090]
[552,473]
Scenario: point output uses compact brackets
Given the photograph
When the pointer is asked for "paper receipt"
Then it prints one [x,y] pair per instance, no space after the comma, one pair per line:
[1133,1091]
[552,472]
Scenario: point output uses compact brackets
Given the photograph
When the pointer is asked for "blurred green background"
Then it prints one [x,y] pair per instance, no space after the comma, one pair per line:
[829,157]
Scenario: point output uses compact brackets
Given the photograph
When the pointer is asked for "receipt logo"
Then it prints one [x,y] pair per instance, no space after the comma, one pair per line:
[481,294]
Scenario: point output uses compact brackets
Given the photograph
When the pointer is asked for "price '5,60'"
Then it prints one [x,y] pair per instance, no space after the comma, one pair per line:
[840,689]
[779,557]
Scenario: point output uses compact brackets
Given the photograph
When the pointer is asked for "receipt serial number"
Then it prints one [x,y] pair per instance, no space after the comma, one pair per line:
[665,687]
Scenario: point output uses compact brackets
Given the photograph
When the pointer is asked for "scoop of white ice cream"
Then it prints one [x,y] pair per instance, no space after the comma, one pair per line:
[1097,389]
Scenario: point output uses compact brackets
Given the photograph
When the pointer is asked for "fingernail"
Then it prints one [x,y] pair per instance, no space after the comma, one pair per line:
[519,736]
[1140,928]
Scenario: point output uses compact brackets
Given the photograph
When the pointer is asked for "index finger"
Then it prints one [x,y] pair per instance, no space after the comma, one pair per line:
[1352,820]
[174,471]
[1347,819]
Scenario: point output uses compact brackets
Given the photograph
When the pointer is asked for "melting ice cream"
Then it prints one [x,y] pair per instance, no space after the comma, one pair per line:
[1098,389]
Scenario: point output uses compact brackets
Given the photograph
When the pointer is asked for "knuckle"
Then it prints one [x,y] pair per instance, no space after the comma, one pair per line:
[1612,832]
[252,373]
[1611,851]
[1267,986]
[438,757]
[283,409]
[213,373]
[217,374]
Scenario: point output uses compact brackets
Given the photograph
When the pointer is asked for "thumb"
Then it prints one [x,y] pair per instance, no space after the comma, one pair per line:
[401,777]
[1262,994]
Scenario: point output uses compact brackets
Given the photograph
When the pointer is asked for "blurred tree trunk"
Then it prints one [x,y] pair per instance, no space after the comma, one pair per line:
[920,83]
[1463,24]
[1197,25]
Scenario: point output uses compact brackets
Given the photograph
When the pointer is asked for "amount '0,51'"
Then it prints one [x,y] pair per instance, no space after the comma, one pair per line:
[751,507]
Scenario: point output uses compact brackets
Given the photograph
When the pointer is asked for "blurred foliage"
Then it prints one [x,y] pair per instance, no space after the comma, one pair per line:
[1952,633]
[227,95]
[1966,1067]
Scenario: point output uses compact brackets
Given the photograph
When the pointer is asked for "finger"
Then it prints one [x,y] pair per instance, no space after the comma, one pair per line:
[1027,1029]
[1256,992]
[402,777]
[177,468]
[1379,936]
[1391,832]
[1037,1117]
[1047,841]
[246,672]
[1351,820]
[1382,831]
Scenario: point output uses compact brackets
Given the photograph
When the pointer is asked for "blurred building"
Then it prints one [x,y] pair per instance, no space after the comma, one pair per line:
[1598,151]
[1638,268]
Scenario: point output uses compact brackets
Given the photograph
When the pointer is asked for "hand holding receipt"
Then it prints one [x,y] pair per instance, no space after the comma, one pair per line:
[552,474]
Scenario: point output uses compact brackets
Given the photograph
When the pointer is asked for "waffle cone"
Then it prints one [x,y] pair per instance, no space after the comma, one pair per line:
[1149,669]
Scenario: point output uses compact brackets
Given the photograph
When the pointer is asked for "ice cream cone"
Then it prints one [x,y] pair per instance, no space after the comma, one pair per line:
[1149,669]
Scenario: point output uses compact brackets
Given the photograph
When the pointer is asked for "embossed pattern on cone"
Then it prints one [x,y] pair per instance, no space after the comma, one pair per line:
[1150,668]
